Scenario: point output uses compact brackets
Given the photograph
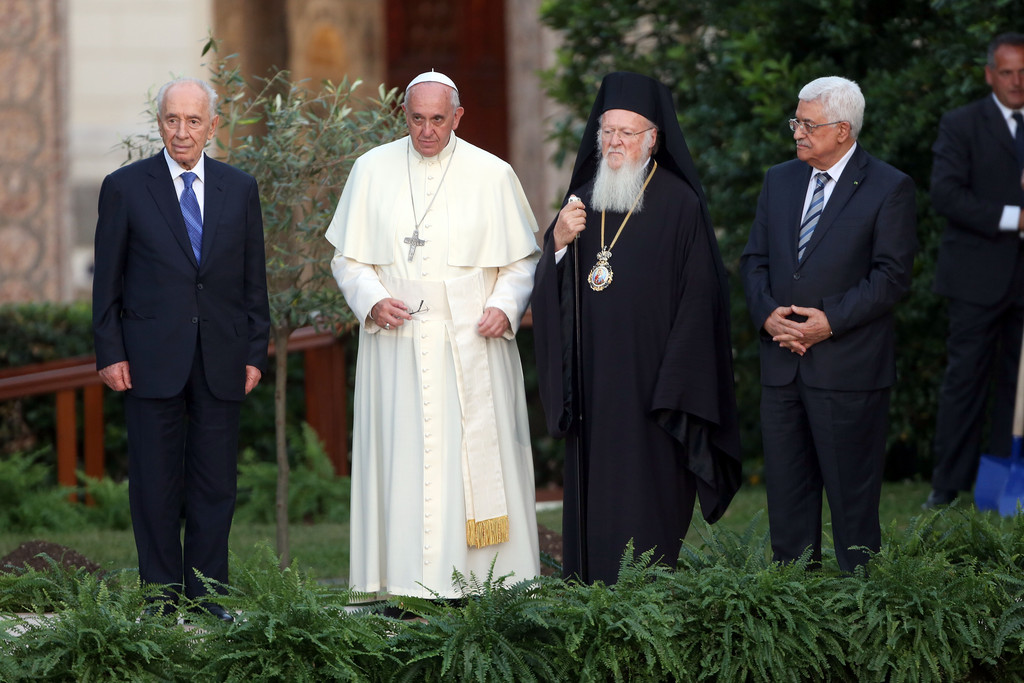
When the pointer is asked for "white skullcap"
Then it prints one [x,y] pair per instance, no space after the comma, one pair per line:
[432,77]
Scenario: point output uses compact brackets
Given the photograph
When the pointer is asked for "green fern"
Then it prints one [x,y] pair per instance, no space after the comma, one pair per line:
[109,509]
[291,629]
[96,634]
[31,502]
[315,494]
[622,632]
[502,632]
[918,617]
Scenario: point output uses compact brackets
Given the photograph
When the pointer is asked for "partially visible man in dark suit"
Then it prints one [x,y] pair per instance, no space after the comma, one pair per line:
[976,186]
[181,323]
[830,253]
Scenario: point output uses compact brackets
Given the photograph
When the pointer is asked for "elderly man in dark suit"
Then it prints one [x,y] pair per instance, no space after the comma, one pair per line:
[830,253]
[976,186]
[181,324]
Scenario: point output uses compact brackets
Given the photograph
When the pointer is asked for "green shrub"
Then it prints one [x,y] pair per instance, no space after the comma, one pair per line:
[924,610]
[315,493]
[41,332]
[768,622]
[30,501]
[502,632]
[625,632]
[96,634]
[31,590]
[292,629]
[919,618]
[109,498]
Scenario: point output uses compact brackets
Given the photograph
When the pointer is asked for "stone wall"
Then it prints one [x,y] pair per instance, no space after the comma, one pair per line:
[34,202]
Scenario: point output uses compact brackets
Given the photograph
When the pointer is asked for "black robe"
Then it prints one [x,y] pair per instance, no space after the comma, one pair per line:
[658,403]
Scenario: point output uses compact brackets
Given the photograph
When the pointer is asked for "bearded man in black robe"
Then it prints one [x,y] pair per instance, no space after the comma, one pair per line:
[631,325]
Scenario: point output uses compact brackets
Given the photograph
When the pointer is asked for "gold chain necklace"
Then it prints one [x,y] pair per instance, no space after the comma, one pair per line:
[601,274]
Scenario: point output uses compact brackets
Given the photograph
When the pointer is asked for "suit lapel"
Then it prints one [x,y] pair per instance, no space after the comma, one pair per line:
[213,204]
[993,124]
[795,209]
[848,184]
[161,188]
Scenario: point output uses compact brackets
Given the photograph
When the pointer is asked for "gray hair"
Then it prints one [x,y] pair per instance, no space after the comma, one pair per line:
[211,94]
[1011,39]
[841,100]
[456,103]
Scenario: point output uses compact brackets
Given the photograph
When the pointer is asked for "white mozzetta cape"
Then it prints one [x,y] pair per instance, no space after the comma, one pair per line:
[481,190]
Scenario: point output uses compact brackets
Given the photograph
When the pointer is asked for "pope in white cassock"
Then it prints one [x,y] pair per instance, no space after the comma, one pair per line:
[435,255]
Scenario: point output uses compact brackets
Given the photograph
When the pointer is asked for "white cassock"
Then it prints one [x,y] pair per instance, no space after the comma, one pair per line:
[442,466]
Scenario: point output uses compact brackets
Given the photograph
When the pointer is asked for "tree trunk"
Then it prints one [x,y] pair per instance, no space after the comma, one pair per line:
[280,411]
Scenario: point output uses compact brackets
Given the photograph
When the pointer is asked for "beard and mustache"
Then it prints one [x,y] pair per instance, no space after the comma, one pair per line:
[615,190]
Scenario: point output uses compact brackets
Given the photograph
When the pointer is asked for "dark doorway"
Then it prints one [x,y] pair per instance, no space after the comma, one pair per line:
[464,39]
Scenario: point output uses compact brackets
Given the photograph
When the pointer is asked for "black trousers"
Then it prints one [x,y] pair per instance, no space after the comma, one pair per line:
[182,471]
[817,439]
[982,340]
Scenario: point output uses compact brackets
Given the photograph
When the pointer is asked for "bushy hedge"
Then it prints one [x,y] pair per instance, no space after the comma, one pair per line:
[941,602]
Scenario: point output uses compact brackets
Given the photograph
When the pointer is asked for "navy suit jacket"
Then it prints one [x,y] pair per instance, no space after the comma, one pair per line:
[857,265]
[975,174]
[152,302]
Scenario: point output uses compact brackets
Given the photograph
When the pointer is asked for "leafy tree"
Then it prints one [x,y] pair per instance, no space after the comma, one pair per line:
[300,145]
[735,68]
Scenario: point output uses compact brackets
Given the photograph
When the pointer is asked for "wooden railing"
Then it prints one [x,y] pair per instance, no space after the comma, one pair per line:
[325,389]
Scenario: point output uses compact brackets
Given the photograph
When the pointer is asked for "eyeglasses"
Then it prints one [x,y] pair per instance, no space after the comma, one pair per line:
[421,309]
[808,128]
[625,135]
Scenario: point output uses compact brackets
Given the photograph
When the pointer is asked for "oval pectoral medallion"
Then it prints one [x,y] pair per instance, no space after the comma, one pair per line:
[600,276]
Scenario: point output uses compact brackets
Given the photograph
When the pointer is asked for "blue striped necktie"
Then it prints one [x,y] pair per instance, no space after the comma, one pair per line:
[190,211]
[813,213]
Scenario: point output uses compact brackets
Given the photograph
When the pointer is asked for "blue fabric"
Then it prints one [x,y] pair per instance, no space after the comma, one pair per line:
[193,217]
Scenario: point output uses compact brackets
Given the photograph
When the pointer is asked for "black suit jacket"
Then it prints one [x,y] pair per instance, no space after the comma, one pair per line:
[857,266]
[151,301]
[974,175]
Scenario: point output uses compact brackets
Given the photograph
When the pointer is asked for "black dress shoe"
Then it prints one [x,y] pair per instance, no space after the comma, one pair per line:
[215,610]
[938,498]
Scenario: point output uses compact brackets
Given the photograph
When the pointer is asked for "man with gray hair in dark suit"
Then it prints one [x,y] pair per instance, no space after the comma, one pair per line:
[830,253]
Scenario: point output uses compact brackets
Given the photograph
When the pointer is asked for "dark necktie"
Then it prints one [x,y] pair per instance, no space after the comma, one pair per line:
[813,213]
[1019,139]
[190,211]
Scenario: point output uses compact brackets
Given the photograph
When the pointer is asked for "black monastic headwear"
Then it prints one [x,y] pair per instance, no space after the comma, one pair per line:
[651,99]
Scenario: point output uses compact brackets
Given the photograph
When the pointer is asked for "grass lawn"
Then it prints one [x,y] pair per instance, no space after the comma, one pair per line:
[322,549]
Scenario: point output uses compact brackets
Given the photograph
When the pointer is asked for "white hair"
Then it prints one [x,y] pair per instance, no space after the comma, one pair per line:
[211,94]
[841,100]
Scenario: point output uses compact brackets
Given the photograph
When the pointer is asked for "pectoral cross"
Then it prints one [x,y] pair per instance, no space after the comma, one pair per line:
[414,242]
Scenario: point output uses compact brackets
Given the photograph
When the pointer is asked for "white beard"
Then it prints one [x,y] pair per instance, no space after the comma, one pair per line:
[615,190]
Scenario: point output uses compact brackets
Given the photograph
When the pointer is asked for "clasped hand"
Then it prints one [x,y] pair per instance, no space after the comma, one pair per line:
[798,337]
